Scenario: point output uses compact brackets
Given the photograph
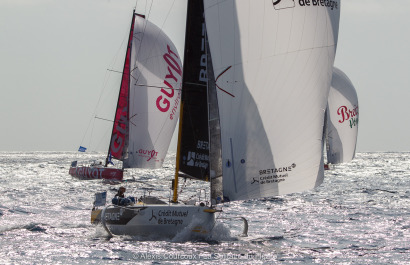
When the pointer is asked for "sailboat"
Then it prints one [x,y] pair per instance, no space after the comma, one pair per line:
[147,108]
[342,120]
[256,79]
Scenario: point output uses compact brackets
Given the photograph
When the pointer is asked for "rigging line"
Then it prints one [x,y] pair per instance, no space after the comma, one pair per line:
[195,84]
[111,70]
[183,187]
[103,89]
[146,18]
[159,32]
[178,89]
[136,79]
[121,72]
[129,120]
[96,117]
[103,139]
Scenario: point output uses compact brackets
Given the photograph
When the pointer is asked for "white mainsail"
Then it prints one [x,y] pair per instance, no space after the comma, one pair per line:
[273,64]
[155,92]
[342,119]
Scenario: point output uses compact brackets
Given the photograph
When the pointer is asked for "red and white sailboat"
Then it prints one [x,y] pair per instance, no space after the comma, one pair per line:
[95,171]
[150,91]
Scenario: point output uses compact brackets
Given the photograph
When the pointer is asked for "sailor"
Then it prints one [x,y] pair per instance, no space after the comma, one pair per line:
[120,193]
[119,197]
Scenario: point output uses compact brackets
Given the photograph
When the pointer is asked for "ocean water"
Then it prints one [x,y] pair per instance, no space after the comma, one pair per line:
[359,215]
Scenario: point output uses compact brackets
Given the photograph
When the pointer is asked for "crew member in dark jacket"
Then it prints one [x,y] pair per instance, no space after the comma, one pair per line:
[119,198]
[120,193]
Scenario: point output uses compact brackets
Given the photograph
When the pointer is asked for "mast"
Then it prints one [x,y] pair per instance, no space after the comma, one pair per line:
[175,183]
[123,92]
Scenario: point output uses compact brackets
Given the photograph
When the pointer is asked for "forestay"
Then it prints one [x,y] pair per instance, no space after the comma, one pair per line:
[273,64]
[342,119]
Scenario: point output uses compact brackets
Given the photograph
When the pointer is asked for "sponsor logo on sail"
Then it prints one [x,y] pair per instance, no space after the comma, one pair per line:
[350,115]
[273,175]
[149,154]
[195,159]
[174,73]
[254,180]
[277,170]
[282,4]
[120,130]
[203,76]
[325,3]
[204,145]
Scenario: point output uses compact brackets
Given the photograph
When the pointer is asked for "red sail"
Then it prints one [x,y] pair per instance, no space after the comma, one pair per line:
[119,134]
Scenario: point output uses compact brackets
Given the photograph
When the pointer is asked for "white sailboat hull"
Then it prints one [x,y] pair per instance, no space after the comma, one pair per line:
[156,220]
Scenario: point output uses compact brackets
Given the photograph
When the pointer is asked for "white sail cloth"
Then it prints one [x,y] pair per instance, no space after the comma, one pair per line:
[273,64]
[155,92]
[342,119]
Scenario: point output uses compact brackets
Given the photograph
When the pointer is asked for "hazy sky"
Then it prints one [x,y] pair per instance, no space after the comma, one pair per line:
[54,55]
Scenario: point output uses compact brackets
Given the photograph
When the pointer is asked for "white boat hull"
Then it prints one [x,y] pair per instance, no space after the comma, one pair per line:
[156,220]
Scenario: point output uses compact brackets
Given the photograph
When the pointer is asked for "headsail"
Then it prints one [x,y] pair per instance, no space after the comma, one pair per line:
[342,119]
[153,100]
[273,66]
[155,95]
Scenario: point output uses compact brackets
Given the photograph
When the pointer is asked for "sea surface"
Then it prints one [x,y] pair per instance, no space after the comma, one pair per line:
[359,215]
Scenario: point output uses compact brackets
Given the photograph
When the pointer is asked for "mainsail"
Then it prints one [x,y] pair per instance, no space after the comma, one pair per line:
[194,137]
[119,137]
[148,107]
[273,66]
[342,119]
[199,148]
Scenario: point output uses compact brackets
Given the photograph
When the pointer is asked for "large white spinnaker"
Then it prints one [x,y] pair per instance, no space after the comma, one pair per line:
[342,119]
[155,92]
[273,63]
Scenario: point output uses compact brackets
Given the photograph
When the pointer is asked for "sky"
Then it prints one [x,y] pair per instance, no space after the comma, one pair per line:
[54,56]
